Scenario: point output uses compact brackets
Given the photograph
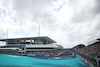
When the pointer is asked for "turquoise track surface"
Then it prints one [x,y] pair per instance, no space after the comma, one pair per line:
[21,61]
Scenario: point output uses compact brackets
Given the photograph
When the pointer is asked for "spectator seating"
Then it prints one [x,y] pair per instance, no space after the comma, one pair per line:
[92,50]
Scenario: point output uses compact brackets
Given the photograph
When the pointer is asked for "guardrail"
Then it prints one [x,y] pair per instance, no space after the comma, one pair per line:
[92,62]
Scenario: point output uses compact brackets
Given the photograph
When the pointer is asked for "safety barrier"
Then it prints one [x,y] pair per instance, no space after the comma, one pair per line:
[94,63]
[46,55]
[58,58]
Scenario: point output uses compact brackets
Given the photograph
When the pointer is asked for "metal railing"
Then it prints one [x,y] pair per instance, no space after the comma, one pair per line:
[92,62]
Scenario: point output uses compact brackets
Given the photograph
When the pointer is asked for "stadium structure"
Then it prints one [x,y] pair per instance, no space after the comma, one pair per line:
[33,47]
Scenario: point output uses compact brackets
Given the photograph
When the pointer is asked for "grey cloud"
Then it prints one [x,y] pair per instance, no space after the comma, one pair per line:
[46,19]
[96,7]
[87,12]
[34,10]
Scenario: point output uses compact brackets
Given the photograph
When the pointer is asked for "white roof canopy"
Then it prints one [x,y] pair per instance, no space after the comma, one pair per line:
[31,38]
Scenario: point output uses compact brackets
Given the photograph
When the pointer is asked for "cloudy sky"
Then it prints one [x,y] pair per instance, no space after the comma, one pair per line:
[68,22]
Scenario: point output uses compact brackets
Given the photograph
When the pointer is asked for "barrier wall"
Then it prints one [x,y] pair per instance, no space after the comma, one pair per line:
[58,58]
[88,62]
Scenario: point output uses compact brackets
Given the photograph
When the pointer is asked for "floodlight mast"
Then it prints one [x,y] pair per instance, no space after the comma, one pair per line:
[7,38]
[39,30]
[39,34]
[7,33]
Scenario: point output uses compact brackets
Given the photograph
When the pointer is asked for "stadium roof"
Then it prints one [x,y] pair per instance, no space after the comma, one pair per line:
[33,38]
[98,39]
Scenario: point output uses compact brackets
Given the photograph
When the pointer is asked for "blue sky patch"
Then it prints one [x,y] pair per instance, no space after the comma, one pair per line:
[4,12]
[14,19]
[9,13]
[57,9]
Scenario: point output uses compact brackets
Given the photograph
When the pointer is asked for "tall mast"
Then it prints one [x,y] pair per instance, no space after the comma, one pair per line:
[7,38]
[39,34]
[7,33]
[39,30]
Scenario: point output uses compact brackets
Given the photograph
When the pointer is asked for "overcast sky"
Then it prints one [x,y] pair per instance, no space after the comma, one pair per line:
[68,22]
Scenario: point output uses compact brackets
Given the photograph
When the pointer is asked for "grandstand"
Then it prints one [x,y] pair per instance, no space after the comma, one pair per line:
[90,54]
[30,45]
[92,50]
[9,50]
[34,47]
